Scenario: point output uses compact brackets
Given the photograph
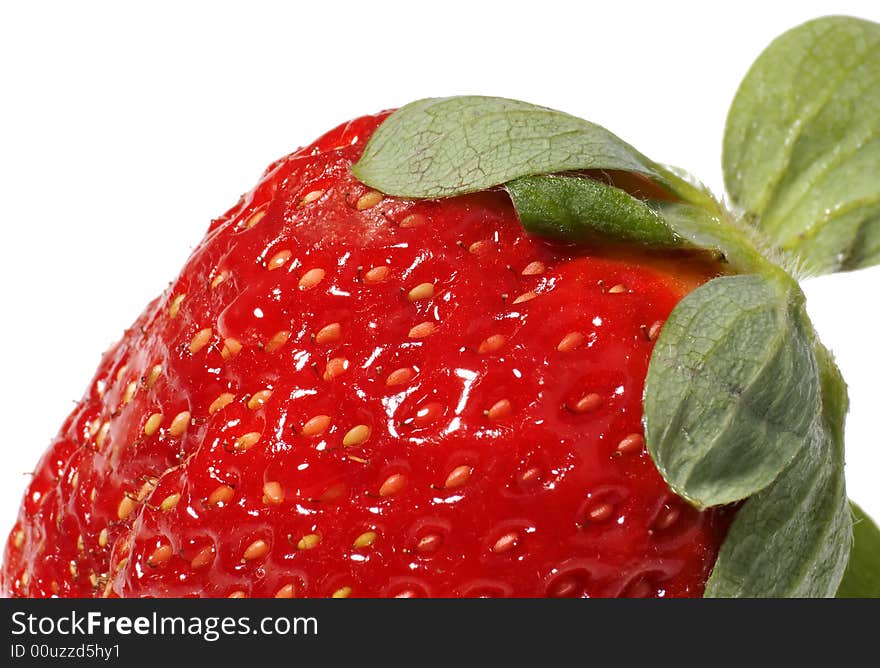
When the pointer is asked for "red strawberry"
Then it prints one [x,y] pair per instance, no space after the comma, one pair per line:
[350,395]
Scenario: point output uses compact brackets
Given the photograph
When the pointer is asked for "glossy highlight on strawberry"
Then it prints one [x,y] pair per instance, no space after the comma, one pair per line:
[348,394]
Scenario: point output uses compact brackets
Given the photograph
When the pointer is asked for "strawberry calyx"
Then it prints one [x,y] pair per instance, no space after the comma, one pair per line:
[742,402]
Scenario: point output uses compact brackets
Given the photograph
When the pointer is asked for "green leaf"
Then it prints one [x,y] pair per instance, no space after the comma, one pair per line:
[793,539]
[570,208]
[440,147]
[802,143]
[862,576]
[732,389]
[580,209]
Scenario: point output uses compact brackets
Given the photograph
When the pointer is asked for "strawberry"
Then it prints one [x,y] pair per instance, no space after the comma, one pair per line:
[348,394]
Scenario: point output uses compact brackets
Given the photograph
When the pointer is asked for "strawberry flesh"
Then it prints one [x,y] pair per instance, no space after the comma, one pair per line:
[345,394]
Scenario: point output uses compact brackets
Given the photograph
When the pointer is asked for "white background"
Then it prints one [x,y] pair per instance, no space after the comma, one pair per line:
[124,129]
